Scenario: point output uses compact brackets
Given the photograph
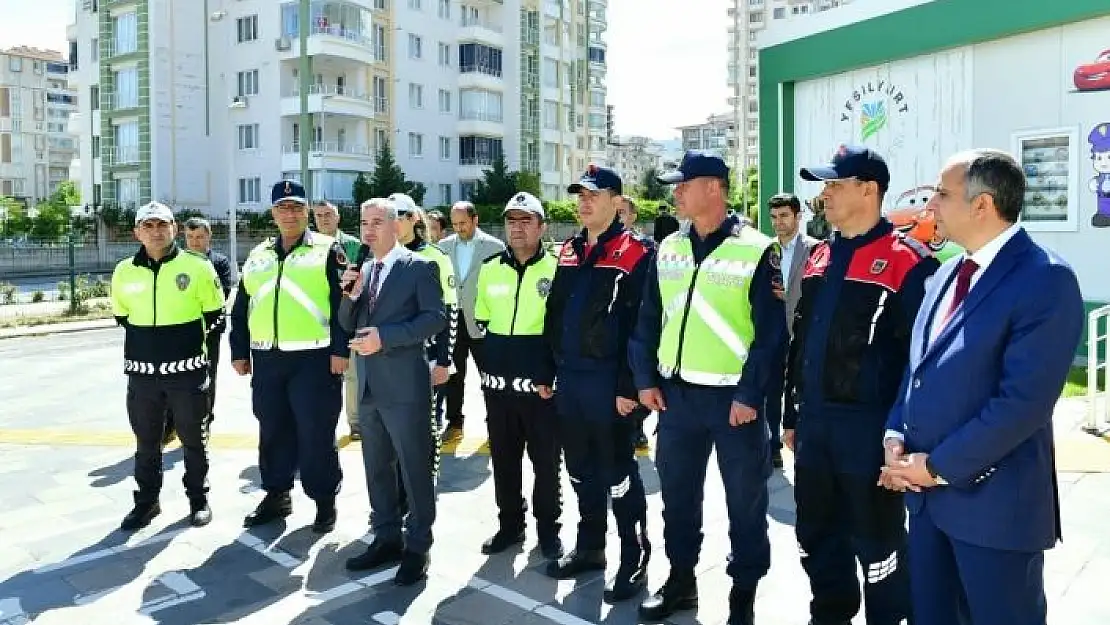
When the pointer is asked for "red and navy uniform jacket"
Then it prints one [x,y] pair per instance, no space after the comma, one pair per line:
[594,301]
[852,327]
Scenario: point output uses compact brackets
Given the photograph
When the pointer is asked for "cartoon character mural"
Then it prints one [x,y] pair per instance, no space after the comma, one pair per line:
[1100,183]
[910,216]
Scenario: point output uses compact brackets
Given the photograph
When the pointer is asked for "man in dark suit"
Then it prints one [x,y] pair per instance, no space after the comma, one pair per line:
[971,433]
[393,305]
[796,245]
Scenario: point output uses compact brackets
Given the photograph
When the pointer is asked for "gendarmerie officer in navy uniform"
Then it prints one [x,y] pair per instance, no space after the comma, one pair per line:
[285,331]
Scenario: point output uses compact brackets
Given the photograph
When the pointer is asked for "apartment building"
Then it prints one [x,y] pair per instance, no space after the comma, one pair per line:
[633,157]
[36,146]
[203,110]
[716,134]
[746,19]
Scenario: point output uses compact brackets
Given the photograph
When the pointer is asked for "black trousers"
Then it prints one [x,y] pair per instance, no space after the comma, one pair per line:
[454,389]
[517,424]
[148,399]
[213,345]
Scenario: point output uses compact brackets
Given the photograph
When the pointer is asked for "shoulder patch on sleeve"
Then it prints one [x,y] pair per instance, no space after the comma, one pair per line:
[913,244]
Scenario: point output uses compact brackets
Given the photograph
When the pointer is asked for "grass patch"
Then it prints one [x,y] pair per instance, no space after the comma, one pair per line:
[85,313]
[1076,384]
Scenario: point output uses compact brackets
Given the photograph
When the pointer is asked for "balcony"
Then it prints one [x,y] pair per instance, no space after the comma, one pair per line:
[121,155]
[597,68]
[472,168]
[111,50]
[481,31]
[329,155]
[335,101]
[480,77]
[333,41]
[119,103]
[481,123]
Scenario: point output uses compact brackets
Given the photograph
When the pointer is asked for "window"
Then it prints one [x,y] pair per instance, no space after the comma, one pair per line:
[445,148]
[377,41]
[381,100]
[755,17]
[247,28]
[444,55]
[416,145]
[445,195]
[250,190]
[751,71]
[444,101]
[466,188]
[443,10]
[780,13]
[248,83]
[379,139]
[94,53]
[550,115]
[753,54]
[380,4]
[597,98]
[248,136]
[414,5]
[15,64]
[416,44]
[480,105]
[597,121]
[549,156]
[127,192]
[475,57]
[1050,160]
[127,143]
[127,88]
[550,72]
[753,106]
[126,28]
[416,96]
[479,150]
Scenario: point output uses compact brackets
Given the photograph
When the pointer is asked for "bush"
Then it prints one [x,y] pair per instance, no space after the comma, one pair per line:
[38,296]
[7,292]
[86,289]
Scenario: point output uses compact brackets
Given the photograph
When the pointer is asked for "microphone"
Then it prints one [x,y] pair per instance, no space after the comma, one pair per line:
[363,254]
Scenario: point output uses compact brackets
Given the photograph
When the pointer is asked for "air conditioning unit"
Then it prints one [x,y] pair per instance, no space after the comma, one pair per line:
[282,44]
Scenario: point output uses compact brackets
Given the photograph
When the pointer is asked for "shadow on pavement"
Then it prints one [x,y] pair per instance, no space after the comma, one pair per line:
[462,473]
[113,474]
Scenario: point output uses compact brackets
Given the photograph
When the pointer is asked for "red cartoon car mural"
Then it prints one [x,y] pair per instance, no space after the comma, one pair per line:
[910,216]
[1094,76]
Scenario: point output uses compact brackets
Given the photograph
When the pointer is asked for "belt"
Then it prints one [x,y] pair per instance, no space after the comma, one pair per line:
[291,346]
[165,368]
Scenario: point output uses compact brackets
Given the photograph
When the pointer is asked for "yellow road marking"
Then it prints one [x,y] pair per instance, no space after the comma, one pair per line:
[227,441]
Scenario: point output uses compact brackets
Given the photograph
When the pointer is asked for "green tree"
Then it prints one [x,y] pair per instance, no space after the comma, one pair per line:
[361,190]
[388,178]
[528,181]
[497,185]
[13,217]
[417,191]
[650,188]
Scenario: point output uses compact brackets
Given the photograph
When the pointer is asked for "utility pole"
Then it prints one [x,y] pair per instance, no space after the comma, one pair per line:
[305,72]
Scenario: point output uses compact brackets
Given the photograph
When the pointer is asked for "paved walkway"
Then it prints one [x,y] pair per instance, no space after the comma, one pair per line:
[64,475]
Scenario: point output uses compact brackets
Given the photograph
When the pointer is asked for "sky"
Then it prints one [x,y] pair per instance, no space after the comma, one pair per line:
[667,58]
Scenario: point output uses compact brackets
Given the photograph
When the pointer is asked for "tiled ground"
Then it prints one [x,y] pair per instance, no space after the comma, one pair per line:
[63,492]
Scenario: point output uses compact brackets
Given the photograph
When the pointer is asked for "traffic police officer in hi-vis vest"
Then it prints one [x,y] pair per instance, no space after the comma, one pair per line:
[167,300]
[284,331]
[711,330]
[518,371]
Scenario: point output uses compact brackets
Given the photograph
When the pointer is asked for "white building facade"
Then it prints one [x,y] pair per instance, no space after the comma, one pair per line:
[36,102]
[634,157]
[203,110]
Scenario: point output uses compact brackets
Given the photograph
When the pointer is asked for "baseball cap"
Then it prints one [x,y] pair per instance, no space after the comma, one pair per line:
[288,190]
[851,161]
[597,178]
[153,210]
[696,164]
[526,202]
[404,203]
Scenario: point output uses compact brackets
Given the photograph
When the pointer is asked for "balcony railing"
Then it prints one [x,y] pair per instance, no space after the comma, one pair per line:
[330,147]
[112,49]
[334,91]
[119,102]
[481,116]
[484,24]
[123,155]
[350,35]
[476,161]
[481,69]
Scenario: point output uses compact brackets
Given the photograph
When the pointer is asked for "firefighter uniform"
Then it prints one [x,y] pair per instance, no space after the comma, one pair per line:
[514,359]
[859,298]
[166,307]
[284,321]
[710,332]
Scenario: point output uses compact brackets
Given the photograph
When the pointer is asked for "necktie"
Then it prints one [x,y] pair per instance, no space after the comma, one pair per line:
[372,294]
[967,269]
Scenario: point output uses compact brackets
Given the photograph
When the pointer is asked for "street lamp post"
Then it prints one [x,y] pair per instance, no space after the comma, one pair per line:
[305,80]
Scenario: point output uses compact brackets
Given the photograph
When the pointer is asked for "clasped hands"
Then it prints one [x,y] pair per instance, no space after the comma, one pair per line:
[903,471]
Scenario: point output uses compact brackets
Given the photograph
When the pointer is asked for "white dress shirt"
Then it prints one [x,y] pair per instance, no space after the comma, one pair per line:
[464,253]
[788,251]
[387,263]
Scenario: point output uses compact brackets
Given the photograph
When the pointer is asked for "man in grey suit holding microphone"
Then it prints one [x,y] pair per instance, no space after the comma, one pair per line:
[785,209]
[393,304]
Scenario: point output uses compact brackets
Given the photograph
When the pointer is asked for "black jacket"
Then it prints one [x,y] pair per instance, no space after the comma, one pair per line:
[595,300]
[223,269]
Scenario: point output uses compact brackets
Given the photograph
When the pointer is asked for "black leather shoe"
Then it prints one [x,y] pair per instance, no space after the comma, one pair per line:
[502,540]
[679,592]
[199,513]
[414,567]
[379,553]
[141,515]
[356,434]
[575,563]
[776,459]
[326,516]
[741,606]
[551,547]
[274,506]
[631,577]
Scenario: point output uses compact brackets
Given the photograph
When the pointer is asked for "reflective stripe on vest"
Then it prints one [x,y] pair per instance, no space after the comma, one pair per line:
[707,326]
[294,294]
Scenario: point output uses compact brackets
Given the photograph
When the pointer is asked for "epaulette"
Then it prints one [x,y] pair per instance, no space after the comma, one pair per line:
[920,248]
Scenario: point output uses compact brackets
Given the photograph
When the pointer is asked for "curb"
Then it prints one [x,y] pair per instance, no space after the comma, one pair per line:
[56,328]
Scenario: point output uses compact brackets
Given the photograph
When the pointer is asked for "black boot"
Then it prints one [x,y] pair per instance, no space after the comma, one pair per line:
[379,553]
[326,515]
[631,577]
[199,512]
[146,508]
[679,592]
[577,562]
[741,606]
[274,506]
[502,540]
